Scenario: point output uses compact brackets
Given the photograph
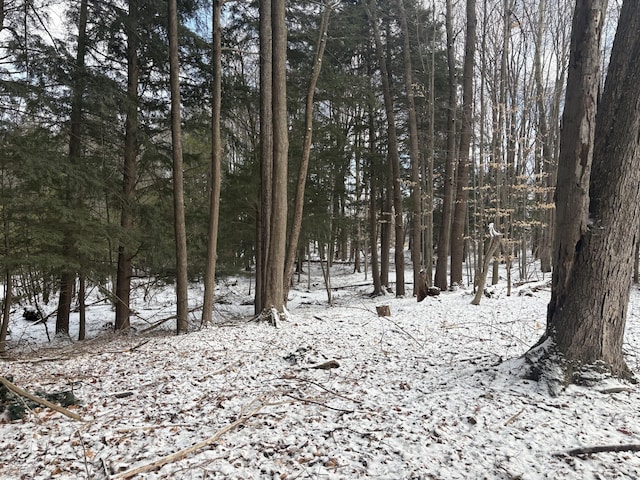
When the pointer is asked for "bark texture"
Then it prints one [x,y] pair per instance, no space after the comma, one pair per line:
[590,325]
[586,323]
[274,291]
[393,155]
[216,167]
[466,134]
[444,238]
[182,309]
[414,150]
[127,215]
[576,145]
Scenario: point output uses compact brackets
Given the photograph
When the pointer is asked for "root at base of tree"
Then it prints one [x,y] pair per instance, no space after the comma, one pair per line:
[547,365]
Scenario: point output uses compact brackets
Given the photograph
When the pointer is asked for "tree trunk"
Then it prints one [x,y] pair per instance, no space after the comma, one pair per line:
[589,319]
[216,167]
[306,149]
[462,183]
[444,239]
[428,168]
[393,155]
[586,321]
[544,151]
[483,271]
[127,217]
[182,309]
[68,277]
[386,220]
[82,307]
[576,146]
[274,291]
[414,150]
[263,234]
[373,210]
[6,310]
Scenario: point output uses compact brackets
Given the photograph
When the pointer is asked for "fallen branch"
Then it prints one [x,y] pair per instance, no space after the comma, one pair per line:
[316,402]
[328,390]
[633,447]
[23,393]
[403,330]
[183,453]
[513,419]
[165,320]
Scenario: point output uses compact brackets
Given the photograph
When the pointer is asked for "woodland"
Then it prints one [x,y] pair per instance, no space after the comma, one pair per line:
[184,142]
[395,239]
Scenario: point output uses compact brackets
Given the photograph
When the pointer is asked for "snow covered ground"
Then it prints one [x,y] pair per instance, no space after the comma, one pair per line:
[429,392]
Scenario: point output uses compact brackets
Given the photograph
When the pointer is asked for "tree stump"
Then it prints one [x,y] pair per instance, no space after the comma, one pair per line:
[383,310]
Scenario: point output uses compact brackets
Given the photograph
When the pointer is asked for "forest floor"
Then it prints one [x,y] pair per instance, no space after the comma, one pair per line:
[432,391]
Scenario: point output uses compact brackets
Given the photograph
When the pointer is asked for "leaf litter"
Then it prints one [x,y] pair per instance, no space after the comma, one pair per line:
[430,392]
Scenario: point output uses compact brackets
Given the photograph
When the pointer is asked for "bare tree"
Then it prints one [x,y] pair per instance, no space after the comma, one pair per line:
[444,239]
[275,251]
[414,151]
[127,217]
[393,155]
[263,232]
[178,175]
[216,166]
[462,183]
[68,277]
[306,147]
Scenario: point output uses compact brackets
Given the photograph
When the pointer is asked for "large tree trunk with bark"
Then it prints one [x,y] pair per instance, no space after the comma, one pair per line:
[127,216]
[576,146]
[444,238]
[263,233]
[216,167]
[414,150]
[274,300]
[587,314]
[68,277]
[393,155]
[182,309]
[462,183]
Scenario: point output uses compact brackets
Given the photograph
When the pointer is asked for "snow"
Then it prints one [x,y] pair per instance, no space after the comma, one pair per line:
[430,392]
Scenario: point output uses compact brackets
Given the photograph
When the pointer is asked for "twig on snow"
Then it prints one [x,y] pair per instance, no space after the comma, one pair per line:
[403,330]
[328,390]
[186,451]
[513,419]
[139,345]
[633,447]
[23,393]
[316,402]
[84,453]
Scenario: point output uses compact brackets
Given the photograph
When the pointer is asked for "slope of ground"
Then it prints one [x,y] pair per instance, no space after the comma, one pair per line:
[430,391]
